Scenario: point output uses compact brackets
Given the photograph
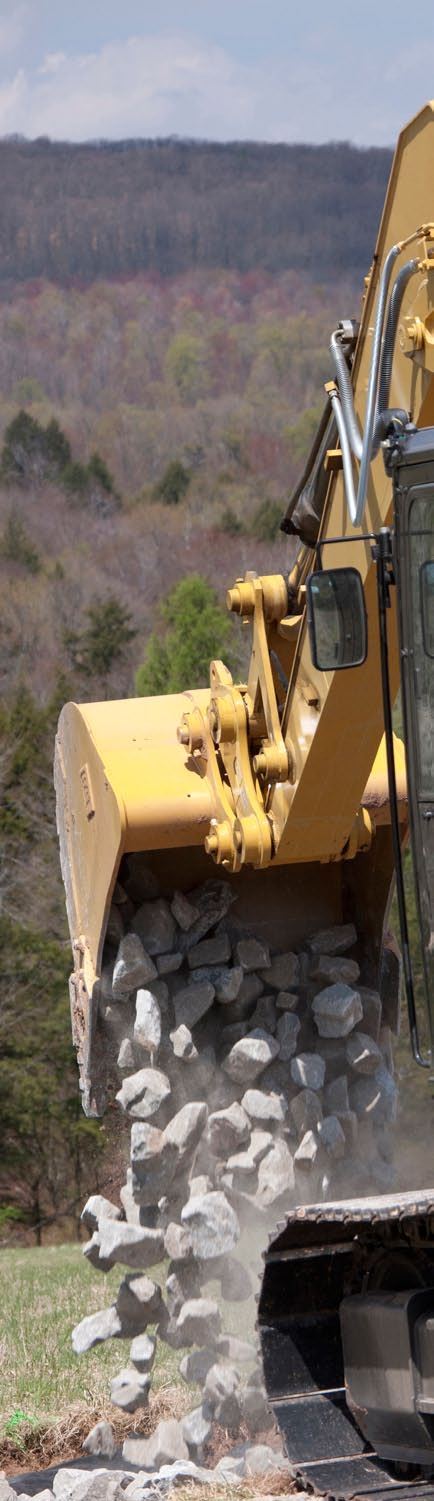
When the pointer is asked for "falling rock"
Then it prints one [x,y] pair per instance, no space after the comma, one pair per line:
[229,1347]
[131,1245]
[251,954]
[349,1122]
[306,1110]
[216,950]
[196,1430]
[336,1010]
[332,1137]
[155,925]
[198,1320]
[242,1168]
[336,1095]
[92,1252]
[283,972]
[138,1304]
[308,1070]
[213,1225]
[201,1184]
[181,1284]
[96,1328]
[143,1093]
[275,1175]
[257,1414]
[96,1209]
[165,1444]
[184,911]
[147,1025]
[235,1281]
[375,1097]
[133,967]
[306,1155]
[222,1393]
[228,1129]
[287,1000]
[331,969]
[334,940]
[129,1390]
[185,1129]
[142,1352]
[192,1003]
[183,1045]
[195,1366]
[287,1031]
[167,964]
[264,1109]
[363,1054]
[178,1244]
[153,1163]
[250,1056]
[126,1057]
[101,1440]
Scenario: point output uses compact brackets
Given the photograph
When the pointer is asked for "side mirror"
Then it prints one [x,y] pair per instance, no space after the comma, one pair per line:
[336,615]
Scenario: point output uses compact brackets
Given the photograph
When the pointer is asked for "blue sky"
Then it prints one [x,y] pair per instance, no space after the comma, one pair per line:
[221,69]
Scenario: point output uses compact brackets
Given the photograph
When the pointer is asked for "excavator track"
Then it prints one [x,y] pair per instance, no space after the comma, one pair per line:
[321,1254]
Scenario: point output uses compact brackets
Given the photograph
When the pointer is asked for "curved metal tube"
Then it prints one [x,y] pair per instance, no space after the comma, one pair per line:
[346,394]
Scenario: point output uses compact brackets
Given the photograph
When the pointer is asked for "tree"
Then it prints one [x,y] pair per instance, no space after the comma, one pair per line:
[173,484]
[194,629]
[104,640]
[16,545]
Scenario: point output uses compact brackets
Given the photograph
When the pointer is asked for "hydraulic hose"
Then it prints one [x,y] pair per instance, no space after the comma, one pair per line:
[346,393]
[393,313]
[356,503]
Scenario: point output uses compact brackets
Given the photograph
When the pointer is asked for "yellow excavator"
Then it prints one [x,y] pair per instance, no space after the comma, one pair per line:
[294,784]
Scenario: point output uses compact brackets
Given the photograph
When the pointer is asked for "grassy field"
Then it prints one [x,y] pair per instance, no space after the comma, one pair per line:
[45,1292]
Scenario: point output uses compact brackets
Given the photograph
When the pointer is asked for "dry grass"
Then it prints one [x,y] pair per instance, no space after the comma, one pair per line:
[53,1442]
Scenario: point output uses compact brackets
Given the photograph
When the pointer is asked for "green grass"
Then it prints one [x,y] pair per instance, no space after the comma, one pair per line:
[45,1292]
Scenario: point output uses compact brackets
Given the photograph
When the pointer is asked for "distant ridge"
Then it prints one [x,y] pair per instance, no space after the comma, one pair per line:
[106,208]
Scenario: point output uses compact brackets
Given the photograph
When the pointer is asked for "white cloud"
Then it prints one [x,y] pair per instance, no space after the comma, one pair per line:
[163,85]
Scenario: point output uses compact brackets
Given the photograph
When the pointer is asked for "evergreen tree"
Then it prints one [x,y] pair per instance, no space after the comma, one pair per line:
[194,629]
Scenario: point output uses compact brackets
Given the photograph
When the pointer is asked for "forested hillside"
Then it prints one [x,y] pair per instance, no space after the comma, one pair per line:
[105,208]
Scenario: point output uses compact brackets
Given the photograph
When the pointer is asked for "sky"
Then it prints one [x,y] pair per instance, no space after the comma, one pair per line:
[270,70]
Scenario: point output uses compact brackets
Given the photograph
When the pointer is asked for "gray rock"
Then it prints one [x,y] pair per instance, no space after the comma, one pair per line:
[335,940]
[230,1468]
[226,981]
[87,1485]
[240,1171]
[212,1224]
[230,1035]
[336,1095]
[283,972]
[348,1121]
[363,1054]
[196,1430]
[130,1390]
[259,1458]
[96,1209]
[306,1155]
[6,1492]
[195,1366]
[330,969]
[147,1025]
[240,1351]
[201,1184]
[286,1000]
[264,1109]
[371,1003]
[142,1352]
[92,1252]
[167,964]
[165,1445]
[287,1031]
[250,1056]
[336,1010]
[216,950]
[126,1057]
[131,1245]
[265,1014]
[155,925]
[258,1416]
[101,1440]
[183,1045]
[375,1097]
[143,1093]
[184,911]
[133,967]
[96,1328]
[251,954]
[222,1392]
[153,1163]
[192,1003]
[167,1476]
[275,1175]
[228,1130]
[198,1321]
[138,1304]
[185,1129]
[235,1281]
[178,1242]
[308,1070]
[212,901]
[249,992]
[332,1137]
[306,1110]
